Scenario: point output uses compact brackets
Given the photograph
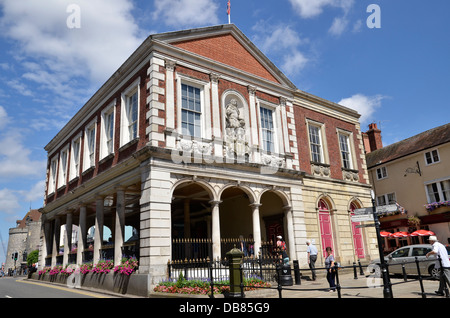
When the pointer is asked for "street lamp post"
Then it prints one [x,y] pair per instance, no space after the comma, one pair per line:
[387,291]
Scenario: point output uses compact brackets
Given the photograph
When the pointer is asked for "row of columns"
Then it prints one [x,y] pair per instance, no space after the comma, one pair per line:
[119,232]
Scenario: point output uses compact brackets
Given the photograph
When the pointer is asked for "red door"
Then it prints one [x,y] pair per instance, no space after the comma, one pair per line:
[326,232]
[357,236]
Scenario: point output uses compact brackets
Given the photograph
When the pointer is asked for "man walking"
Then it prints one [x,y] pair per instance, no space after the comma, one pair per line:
[440,251]
[312,258]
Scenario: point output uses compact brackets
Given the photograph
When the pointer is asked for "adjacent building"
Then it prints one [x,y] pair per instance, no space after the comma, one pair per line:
[415,173]
[23,239]
[199,138]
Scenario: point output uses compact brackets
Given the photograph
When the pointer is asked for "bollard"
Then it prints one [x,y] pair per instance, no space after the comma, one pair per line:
[361,272]
[298,280]
[405,278]
[355,275]
[338,285]
[235,257]
[420,278]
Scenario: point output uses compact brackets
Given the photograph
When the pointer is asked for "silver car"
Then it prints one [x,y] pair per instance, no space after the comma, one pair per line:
[406,256]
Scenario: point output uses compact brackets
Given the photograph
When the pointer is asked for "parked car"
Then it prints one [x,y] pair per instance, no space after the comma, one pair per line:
[406,256]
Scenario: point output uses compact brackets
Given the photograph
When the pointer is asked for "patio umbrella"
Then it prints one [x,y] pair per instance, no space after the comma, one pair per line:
[422,233]
[385,234]
[400,234]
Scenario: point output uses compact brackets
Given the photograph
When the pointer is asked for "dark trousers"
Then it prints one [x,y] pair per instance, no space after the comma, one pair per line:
[331,275]
[312,265]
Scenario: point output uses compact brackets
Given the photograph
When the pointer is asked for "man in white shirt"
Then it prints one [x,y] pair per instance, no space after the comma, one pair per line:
[440,251]
[312,257]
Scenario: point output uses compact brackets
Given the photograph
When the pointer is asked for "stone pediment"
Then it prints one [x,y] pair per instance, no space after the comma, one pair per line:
[227,45]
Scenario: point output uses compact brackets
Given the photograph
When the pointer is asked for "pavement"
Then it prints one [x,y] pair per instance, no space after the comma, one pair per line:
[364,286]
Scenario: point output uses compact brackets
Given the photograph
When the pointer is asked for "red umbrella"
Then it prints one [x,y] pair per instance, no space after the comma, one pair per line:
[422,233]
[400,234]
[385,234]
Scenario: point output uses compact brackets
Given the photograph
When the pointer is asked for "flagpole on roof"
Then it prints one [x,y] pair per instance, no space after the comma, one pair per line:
[229,11]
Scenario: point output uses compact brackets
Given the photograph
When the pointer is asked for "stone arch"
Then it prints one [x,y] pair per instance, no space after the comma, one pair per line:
[356,202]
[248,190]
[212,193]
[281,194]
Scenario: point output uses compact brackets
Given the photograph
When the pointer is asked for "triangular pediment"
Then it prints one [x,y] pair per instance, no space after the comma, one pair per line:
[227,45]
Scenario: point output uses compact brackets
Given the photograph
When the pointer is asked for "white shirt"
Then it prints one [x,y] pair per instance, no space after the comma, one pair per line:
[440,250]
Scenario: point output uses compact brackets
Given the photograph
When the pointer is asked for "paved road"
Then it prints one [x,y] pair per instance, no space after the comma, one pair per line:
[19,287]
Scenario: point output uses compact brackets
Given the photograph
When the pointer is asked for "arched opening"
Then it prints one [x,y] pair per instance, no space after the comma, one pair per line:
[191,221]
[236,226]
[325,224]
[274,221]
[358,242]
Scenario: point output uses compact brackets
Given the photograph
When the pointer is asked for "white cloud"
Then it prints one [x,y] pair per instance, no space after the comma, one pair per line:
[9,202]
[313,8]
[35,193]
[294,62]
[187,13]
[364,105]
[338,26]
[107,36]
[15,158]
[4,119]
[282,43]
[282,37]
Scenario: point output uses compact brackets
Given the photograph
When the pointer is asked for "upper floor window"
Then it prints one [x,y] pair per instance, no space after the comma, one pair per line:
[381,173]
[385,199]
[130,110]
[63,167]
[267,129]
[315,141]
[107,135]
[438,191]
[346,155]
[52,175]
[432,157]
[191,111]
[89,147]
[74,170]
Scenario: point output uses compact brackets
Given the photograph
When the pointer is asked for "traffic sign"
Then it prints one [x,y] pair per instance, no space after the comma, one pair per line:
[362,217]
[382,209]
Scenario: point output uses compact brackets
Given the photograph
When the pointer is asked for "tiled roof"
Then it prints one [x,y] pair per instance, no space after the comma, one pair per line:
[32,215]
[428,139]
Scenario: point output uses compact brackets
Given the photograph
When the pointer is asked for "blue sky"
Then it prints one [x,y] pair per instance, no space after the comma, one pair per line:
[396,75]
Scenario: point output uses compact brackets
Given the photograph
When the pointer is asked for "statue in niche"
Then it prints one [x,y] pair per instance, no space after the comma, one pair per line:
[236,141]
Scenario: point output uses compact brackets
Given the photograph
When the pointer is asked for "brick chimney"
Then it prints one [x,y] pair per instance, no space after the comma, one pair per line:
[372,138]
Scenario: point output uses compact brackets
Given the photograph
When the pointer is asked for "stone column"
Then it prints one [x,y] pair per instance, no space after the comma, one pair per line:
[216,229]
[82,231]
[256,227]
[98,236]
[290,234]
[56,239]
[119,232]
[68,238]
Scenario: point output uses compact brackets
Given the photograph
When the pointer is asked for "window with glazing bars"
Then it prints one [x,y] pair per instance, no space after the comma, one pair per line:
[267,129]
[345,151]
[91,145]
[191,111]
[315,142]
[132,108]
[109,130]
